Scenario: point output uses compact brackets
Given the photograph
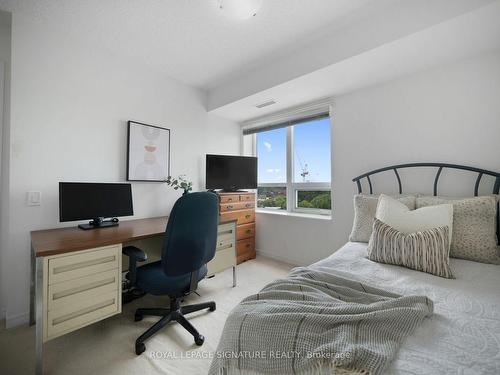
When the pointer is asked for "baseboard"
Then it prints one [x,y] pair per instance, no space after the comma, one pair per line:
[289,260]
[17,320]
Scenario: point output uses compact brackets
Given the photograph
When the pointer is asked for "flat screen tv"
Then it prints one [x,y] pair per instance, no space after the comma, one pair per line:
[231,173]
[95,202]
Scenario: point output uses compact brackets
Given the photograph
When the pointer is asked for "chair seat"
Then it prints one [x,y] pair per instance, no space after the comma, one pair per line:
[152,279]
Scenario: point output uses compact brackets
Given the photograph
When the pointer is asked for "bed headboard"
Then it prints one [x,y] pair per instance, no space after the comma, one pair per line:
[440,167]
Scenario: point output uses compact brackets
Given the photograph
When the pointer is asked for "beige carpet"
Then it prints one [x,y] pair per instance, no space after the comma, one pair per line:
[107,347]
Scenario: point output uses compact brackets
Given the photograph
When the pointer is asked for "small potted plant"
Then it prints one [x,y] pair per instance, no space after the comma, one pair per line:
[180,183]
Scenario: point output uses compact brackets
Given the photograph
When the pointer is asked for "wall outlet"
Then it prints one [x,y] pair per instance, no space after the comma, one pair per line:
[34,198]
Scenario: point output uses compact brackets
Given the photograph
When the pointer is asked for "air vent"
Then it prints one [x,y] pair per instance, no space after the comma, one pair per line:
[265,104]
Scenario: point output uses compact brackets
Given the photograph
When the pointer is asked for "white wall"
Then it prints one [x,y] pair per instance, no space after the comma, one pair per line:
[450,114]
[69,108]
[5,55]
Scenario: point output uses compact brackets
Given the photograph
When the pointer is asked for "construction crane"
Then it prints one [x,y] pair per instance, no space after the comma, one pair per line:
[304,168]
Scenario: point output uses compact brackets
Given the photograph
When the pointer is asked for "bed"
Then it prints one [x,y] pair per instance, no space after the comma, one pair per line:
[462,336]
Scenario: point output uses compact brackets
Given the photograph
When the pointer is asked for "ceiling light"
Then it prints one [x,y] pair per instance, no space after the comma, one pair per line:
[240,9]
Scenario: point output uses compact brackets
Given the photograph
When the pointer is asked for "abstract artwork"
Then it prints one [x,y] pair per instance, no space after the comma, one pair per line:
[148,152]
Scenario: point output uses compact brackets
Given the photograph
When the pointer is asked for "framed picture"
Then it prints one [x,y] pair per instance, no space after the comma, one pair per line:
[148,152]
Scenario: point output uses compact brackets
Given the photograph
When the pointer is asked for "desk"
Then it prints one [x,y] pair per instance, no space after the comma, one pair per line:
[76,274]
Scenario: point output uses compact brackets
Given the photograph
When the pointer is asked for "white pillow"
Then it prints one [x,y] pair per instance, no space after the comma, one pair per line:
[400,217]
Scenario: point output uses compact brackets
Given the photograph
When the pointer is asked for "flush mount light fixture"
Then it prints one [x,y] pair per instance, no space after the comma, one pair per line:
[240,9]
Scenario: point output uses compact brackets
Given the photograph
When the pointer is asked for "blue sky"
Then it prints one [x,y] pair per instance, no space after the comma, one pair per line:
[311,148]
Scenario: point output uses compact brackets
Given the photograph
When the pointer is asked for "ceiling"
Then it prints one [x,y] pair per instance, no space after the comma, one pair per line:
[189,40]
[292,51]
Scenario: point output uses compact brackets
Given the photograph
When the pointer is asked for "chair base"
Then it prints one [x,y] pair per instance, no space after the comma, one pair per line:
[176,313]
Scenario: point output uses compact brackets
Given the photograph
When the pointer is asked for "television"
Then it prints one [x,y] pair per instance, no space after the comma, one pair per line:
[231,173]
[95,202]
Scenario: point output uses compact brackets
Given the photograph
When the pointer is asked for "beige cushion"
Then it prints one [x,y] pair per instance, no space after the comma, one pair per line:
[474,227]
[365,207]
[426,251]
[400,217]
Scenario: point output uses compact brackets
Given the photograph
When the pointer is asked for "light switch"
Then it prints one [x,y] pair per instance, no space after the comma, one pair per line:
[34,198]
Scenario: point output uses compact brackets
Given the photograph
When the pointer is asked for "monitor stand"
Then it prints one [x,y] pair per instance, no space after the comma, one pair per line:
[99,223]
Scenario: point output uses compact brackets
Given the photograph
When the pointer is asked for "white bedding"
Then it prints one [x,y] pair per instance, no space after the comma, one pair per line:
[462,337]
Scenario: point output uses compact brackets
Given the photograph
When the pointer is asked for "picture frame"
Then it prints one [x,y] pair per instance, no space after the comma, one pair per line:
[148,152]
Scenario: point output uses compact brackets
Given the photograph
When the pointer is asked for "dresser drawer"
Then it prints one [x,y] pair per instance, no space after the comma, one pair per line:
[83,263]
[82,313]
[245,246]
[245,231]
[223,259]
[247,197]
[224,207]
[230,198]
[73,292]
[242,216]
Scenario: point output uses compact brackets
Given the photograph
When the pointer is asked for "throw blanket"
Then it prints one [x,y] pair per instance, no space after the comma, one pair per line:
[317,322]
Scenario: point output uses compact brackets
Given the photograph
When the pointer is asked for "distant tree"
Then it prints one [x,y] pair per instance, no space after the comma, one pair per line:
[305,204]
[322,201]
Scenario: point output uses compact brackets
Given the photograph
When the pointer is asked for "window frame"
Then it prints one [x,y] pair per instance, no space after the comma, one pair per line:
[292,187]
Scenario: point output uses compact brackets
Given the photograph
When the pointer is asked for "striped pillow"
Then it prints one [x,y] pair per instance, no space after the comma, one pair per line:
[426,251]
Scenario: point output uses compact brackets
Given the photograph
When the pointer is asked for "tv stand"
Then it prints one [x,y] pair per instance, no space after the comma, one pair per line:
[98,223]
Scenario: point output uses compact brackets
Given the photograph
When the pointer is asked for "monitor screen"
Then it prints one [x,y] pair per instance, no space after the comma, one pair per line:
[83,200]
[231,172]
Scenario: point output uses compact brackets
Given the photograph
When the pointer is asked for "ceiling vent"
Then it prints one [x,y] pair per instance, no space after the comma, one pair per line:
[265,104]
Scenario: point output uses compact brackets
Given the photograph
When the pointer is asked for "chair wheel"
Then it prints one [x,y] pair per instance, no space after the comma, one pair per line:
[139,348]
[212,308]
[138,318]
[199,340]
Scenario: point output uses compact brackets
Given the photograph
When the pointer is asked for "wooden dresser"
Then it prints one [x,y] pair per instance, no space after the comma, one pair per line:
[241,206]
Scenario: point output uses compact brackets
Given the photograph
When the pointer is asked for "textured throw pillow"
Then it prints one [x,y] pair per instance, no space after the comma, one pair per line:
[397,215]
[426,251]
[365,207]
[474,227]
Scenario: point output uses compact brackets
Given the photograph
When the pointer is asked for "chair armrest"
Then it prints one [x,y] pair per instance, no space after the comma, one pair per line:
[134,253]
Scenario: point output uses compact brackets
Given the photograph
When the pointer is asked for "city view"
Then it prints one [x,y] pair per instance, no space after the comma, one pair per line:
[310,160]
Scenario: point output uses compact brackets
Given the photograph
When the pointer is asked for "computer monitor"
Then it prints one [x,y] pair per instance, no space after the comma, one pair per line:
[95,202]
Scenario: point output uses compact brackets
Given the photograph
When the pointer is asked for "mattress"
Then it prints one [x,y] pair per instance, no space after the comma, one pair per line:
[463,335]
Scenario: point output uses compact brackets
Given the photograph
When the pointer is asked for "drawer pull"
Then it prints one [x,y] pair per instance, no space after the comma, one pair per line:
[83,288]
[249,231]
[230,199]
[247,245]
[83,311]
[248,216]
[229,206]
[248,205]
[88,263]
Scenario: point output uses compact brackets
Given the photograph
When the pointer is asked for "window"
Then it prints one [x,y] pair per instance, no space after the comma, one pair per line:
[294,172]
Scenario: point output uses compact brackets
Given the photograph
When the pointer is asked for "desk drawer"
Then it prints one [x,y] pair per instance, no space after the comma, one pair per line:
[223,259]
[245,231]
[225,242]
[243,216]
[83,263]
[71,317]
[77,291]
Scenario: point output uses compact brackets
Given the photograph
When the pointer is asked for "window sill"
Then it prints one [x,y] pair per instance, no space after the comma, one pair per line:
[294,214]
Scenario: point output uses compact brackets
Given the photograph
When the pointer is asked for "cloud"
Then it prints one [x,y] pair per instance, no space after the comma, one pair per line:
[268,146]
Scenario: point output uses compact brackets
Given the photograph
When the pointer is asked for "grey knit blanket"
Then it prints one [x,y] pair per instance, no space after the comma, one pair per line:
[317,322]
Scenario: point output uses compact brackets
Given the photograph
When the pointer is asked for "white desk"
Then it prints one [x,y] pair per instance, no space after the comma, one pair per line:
[77,274]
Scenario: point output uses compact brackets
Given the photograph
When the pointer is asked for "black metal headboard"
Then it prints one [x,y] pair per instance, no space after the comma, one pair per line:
[440,167]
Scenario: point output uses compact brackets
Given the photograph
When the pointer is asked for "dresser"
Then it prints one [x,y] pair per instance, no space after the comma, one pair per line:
[240,206]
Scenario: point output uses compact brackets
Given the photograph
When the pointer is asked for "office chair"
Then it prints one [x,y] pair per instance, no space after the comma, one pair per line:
[189,244]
